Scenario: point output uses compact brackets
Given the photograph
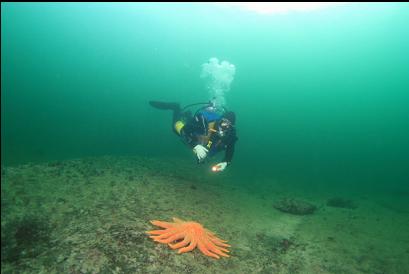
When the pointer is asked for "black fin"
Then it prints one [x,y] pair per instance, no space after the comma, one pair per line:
[165,105]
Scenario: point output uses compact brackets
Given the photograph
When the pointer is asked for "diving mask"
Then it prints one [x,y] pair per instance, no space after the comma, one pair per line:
[224,126]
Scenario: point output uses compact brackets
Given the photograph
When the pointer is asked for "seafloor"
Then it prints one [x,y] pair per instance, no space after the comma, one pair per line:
[90,216]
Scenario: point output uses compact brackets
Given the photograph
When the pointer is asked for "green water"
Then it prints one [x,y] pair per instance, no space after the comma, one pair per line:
[322,105]
[321,97]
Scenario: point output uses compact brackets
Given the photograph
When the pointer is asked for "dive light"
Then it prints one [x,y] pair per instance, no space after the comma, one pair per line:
[216,168]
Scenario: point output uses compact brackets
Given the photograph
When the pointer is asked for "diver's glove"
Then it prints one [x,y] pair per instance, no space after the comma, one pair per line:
[200,151]
[219,167]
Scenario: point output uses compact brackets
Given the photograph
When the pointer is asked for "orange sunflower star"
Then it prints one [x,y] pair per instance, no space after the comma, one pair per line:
[186,236]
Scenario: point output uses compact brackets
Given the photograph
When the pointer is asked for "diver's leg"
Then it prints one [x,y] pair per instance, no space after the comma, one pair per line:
[164,105]
[177,121]
[175,107]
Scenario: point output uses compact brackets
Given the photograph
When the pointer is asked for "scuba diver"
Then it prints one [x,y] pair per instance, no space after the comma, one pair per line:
[208,131]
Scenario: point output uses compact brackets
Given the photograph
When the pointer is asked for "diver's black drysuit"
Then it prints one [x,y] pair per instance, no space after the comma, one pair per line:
[201,129]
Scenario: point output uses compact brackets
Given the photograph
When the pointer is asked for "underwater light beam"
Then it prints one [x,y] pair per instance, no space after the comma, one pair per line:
[281,7]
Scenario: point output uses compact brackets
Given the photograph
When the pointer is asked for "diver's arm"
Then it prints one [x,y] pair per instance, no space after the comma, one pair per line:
[227,159]
[194,127]
[188,136]
[228,156]
[190,139]
[229,153]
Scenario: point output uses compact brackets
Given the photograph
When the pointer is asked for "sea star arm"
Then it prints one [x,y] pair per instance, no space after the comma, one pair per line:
[205,251]
[177,220]
[183,243]
[168,233]
[171,238]
[162,224]
[216,240]
[190,247]
[207,242]
[157,232]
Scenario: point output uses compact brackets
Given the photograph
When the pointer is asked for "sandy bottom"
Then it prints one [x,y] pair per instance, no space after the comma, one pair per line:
[90,216]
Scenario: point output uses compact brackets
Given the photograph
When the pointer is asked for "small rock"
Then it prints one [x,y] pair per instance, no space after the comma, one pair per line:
[294,206]
[342,203]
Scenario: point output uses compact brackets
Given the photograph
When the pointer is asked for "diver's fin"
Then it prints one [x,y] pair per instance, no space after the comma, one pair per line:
[164,105]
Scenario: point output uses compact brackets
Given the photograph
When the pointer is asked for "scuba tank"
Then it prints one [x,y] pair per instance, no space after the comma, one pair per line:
[209,107]
[208,112]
